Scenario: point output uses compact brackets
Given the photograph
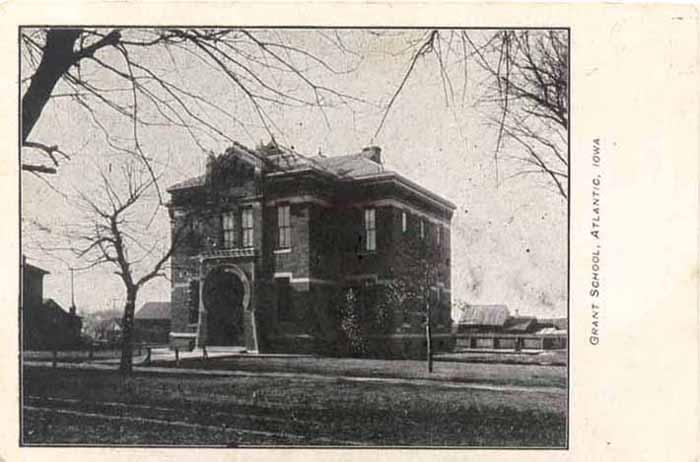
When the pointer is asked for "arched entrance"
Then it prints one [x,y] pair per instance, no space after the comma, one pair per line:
[225,295]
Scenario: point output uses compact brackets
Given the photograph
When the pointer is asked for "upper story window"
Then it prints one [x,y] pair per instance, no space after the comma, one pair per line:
[370,230]
[438,235]
[228,222]
[193,293]
[284,228]
[247,227]
[422,229]
[404,222]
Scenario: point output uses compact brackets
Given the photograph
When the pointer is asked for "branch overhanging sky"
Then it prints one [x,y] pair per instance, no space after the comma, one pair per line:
[508,237]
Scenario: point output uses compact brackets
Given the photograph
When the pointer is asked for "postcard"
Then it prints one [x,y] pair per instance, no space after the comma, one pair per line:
[320,230]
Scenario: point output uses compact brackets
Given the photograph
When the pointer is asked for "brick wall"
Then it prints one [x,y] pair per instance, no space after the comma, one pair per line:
[327,247]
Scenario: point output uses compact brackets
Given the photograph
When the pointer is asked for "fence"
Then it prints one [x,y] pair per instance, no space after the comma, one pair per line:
[514,342]
[92,351]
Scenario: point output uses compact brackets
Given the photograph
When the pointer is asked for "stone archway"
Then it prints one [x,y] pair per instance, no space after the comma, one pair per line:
[226,294]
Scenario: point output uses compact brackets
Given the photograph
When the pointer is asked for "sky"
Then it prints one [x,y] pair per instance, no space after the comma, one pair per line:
[509,232]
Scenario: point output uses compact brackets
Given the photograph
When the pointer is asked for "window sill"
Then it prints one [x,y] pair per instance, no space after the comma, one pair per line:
[281,251]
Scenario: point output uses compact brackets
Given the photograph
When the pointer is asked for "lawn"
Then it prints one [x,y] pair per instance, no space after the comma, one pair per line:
[544,358]
[496,374]
[100,407]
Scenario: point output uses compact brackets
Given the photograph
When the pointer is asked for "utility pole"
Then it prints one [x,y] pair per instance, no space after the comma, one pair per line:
[428,337]
[72,293]
[428,314]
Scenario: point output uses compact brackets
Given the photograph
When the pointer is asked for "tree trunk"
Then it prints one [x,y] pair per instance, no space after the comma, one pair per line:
[428,338]
[126,363]
[56,59]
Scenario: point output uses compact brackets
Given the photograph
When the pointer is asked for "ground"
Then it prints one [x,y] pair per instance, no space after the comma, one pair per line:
[290,403]
[491,373]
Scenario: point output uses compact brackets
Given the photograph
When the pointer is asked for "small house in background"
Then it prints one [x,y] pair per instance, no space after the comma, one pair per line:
[483,318]
[491,327]
[560,324]
[45,324]
[554,332]
[109,330]
[32,284]
[152,323]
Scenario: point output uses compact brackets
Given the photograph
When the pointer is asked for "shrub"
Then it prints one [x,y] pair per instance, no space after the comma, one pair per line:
[352,327]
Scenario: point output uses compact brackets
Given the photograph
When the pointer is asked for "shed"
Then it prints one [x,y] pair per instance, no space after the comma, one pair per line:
[480,316]
[154,310]
[152,323]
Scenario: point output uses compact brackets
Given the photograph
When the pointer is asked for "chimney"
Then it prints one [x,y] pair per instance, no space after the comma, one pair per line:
[209,169]
[373,153]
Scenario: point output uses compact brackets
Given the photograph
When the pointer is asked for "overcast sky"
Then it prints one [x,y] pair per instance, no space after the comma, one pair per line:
[508,234]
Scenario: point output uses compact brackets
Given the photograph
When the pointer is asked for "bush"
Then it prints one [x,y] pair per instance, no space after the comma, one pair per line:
[352,325]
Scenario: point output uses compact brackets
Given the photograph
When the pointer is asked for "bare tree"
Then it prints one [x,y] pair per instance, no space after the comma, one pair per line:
[119,74]
[126,82]
[113,228]
[526,73]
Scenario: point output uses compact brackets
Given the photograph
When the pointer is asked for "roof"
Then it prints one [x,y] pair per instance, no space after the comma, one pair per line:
[154,310]
[52,306]
[36,269]
[484,315]
[551,331]
[351,165]
[237,150]
[520,323]
[188,183]
[280,160]
[558,323]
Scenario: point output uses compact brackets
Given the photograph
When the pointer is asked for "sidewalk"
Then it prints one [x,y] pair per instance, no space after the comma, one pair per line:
[440,382]
[165,354]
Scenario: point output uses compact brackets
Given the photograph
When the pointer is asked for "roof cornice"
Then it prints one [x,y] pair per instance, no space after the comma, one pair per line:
[406,184]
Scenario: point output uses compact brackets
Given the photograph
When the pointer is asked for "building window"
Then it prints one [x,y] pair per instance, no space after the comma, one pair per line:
[422,229]
[370,230]
[284,298]
[284,227]
[228,221]
[404,222]
[193,301]
[247,227]
[438,235]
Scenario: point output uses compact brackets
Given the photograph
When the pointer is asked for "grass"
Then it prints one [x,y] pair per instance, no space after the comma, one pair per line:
[99,407]
[498,374]
[544,358]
